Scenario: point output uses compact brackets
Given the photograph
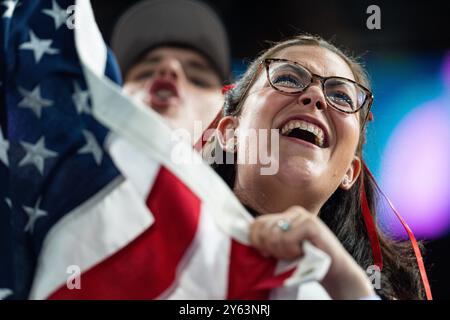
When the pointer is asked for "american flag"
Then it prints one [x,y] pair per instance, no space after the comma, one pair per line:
[88,181]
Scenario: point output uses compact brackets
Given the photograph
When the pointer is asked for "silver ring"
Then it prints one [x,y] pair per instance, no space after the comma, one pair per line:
[284,225]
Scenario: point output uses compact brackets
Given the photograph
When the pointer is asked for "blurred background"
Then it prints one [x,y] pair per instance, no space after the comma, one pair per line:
[408,60]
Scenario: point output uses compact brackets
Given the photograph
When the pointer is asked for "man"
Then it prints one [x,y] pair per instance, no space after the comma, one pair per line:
[174,57]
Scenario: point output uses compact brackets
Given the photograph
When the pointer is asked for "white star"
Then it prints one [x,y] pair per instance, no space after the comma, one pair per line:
[59,15]
[36,154]
[8,202]
[33,214]
[33,100]
[81,99]
[92,146]
[4,147]
[5,293]
[10,7]
[39,47]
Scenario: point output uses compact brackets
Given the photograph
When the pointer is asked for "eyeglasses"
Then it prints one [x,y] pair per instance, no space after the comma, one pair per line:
[291,78]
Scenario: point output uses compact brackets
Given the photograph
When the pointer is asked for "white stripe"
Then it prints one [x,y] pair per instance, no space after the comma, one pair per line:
[312,267]
[88,39]
[138,168]
[304,282]
[205,274]
[89,234]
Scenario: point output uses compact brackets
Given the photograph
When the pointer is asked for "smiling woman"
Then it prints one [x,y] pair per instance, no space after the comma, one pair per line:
[319,100]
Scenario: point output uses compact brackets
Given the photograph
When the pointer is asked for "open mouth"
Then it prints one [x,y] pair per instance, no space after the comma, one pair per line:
[161,93]
[165,94]
[306,131]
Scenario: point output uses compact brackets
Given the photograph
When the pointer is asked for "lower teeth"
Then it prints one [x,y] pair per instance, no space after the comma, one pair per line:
[164,94]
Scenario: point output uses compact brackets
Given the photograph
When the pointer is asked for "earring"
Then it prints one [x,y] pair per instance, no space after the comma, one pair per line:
[346,181]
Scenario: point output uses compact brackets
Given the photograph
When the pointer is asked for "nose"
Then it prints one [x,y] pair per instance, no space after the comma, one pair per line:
[169,69]
[313,96]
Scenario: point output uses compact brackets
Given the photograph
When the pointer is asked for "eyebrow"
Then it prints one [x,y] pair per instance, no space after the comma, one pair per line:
[311,68]
[344,82]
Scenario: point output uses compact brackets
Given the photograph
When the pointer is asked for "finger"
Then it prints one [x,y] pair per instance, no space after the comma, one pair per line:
[280,242]
[291,241]
[258,232]
[273,238]
[269,237]
[305,228]
[293,245]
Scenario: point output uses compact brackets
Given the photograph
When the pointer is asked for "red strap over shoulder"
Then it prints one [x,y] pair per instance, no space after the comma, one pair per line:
[370,227]
[376,246]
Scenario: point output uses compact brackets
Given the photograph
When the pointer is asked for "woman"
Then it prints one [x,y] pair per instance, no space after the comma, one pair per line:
[318,99]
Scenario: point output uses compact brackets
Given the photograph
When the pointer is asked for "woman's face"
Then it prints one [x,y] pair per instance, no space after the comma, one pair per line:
[308,173]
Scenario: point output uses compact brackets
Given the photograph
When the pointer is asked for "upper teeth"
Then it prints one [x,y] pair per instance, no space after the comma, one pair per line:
[164,93]
[307,126]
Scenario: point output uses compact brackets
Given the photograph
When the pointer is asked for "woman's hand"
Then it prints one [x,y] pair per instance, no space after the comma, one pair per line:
[281,235]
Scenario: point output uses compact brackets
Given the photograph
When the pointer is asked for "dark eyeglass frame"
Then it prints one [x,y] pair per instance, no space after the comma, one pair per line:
[369,96]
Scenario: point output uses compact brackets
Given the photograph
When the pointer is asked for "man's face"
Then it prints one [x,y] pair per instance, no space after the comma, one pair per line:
[179,84]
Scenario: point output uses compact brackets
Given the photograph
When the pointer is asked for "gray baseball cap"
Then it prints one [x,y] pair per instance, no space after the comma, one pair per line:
[186,23]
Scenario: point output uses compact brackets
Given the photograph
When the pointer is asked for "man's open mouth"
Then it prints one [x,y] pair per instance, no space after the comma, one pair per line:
[163,91]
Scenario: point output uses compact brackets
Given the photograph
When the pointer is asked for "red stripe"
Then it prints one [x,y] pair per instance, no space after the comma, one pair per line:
[275,281]
[247,269]
[146,267]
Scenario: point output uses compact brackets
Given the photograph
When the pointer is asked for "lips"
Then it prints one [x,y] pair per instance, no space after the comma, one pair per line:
[305,129]
[162,93]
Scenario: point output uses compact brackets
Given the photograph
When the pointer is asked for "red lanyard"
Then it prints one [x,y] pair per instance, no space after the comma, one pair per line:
[376,250]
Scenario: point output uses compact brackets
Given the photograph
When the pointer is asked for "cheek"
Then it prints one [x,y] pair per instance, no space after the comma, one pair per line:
[202,97]
[131,88]
[347,136]
[202,104]
[213,103]
[261,108]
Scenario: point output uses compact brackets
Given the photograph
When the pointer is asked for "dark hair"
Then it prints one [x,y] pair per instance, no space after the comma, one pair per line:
[342,212]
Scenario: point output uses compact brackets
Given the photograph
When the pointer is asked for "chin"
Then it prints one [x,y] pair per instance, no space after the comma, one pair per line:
[296,175]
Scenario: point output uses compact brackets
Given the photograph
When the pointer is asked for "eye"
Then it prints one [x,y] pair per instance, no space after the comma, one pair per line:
[142,75]
[200,82]
[342,99]
[286,80]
